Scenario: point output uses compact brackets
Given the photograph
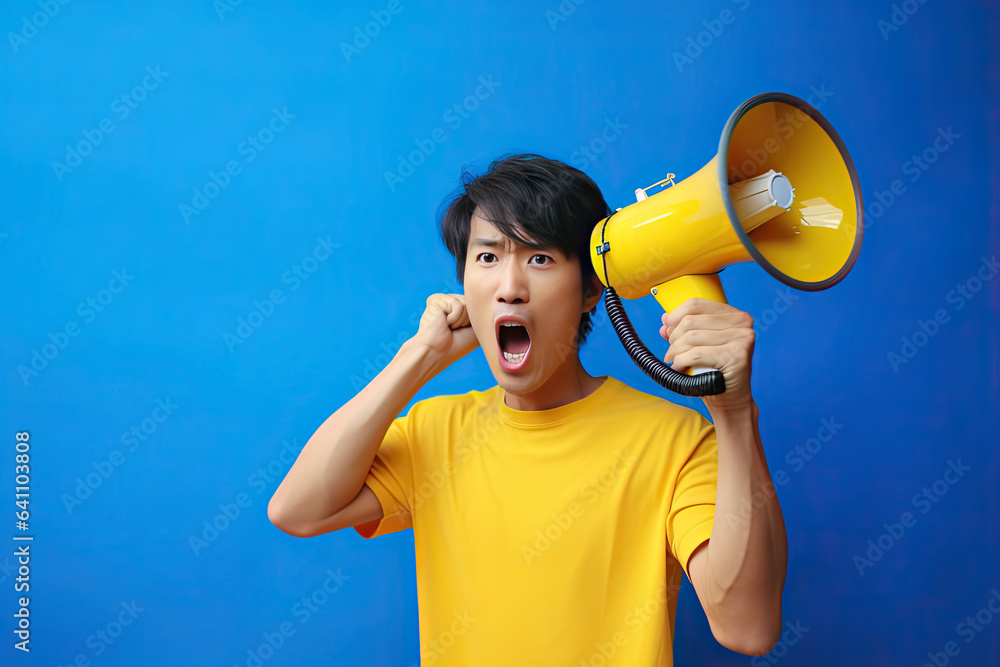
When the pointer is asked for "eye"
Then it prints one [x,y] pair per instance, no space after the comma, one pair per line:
[543,259]
[486,257]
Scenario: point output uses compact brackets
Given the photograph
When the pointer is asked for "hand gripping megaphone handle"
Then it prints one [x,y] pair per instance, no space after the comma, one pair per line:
[737,208]
[702,384]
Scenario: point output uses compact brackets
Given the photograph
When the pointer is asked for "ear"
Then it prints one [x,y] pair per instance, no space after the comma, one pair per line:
[592,295]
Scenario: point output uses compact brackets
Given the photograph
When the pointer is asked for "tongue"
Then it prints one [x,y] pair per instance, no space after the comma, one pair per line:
[514,339]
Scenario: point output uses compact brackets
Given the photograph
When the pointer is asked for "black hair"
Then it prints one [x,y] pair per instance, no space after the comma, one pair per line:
[536,202]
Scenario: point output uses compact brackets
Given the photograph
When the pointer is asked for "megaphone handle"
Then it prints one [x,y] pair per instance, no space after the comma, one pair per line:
[703,384]
[673,293]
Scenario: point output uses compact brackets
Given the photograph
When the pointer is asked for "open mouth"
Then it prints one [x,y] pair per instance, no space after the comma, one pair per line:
[514,342]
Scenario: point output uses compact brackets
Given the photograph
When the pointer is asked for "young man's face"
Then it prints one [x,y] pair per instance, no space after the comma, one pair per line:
[538,291]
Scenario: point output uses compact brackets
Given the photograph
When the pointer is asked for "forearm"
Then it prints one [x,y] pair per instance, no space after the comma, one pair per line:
[333,464]
[747,553]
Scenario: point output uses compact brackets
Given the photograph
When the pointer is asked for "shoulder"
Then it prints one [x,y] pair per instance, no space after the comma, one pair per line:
[629,398]
[452,404]
[656,421]
[664,435]
[437,420]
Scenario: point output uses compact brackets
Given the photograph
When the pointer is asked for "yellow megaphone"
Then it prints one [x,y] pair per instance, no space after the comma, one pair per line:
[782,191]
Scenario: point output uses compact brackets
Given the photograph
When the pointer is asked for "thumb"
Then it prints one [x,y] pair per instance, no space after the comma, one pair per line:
[458,315]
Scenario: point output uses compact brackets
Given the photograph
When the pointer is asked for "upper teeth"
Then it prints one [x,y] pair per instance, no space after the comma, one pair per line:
[510,356]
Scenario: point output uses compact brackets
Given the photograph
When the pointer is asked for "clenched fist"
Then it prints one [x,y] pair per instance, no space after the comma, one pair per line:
[445,328]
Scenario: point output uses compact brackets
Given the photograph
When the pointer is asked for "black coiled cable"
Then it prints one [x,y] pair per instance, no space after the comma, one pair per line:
[702,384]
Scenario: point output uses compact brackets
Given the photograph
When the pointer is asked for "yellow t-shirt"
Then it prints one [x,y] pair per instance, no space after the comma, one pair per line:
[551,537]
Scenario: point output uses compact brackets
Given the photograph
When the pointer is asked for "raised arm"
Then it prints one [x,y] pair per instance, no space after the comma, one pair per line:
[739,574]
[330,471]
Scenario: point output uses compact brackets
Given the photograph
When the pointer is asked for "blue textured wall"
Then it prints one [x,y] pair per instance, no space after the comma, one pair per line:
[168,169]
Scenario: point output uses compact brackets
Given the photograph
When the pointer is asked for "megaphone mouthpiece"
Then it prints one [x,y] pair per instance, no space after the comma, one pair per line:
[761,198]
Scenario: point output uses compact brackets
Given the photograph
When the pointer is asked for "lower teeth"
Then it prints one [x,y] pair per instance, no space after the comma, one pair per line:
[510,356]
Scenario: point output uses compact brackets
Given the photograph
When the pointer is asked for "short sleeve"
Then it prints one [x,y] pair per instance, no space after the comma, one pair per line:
[692,507]
[391,479]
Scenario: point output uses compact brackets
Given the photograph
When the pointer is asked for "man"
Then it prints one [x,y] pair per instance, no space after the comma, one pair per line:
[552,514]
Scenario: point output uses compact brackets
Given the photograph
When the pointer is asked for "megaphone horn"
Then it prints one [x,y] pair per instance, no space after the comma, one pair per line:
[782,191]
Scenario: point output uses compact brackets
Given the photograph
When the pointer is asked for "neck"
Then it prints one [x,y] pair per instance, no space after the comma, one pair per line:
[570,383]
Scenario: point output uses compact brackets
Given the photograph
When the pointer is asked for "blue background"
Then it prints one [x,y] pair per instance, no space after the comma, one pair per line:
[560,73]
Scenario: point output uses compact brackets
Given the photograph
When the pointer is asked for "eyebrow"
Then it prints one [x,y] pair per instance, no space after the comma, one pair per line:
[488,243]
[500,243]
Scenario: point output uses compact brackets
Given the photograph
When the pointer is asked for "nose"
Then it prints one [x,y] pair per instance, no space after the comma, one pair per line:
[513,285]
